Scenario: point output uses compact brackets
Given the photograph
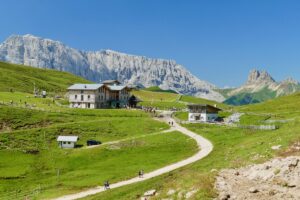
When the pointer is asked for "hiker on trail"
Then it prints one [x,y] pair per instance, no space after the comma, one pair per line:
[106,185]
[141,173]
[172,123]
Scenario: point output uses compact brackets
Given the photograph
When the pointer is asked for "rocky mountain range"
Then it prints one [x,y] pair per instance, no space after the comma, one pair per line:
[259,87]
[106,64]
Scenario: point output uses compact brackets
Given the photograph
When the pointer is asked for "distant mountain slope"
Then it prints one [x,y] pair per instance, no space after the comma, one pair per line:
[259,87]
[158,89]
[22,78]
[107,64]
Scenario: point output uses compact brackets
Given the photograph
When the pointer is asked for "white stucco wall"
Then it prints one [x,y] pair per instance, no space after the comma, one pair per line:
[202,117]
[66,145]
[97,98]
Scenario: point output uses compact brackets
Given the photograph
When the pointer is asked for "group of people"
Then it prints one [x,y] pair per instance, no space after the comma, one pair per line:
[149,109]
[171,123]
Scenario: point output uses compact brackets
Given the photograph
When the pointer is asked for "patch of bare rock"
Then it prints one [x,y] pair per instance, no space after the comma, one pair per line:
[275,179]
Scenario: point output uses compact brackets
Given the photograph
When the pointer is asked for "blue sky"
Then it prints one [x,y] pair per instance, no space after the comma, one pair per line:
[218,41]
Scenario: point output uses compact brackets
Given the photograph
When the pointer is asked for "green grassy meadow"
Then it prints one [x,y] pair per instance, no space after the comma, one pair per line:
[158,89]
[29,126]
[31,159]
[233,148]
[22,79]
[168,100]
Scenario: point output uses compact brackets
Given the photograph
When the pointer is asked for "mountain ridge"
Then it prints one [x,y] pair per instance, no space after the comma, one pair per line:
[261,86]
[105,64]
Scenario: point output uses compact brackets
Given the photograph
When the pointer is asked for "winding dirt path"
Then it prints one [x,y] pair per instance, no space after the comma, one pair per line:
[205,147]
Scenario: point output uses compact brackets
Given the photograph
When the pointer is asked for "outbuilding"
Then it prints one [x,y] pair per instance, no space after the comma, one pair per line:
[202,113]
[67,141]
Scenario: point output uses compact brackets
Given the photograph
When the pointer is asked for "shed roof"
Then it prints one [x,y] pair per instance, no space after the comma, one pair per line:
[67,138]
[190,106]
[79,86]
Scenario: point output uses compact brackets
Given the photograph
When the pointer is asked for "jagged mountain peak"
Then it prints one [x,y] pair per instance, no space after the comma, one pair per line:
[290,80]
[23,37]
[259,77]
[105,64]
[29,39]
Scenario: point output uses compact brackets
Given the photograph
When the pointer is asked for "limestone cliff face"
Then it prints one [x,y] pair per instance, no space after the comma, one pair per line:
[106,64]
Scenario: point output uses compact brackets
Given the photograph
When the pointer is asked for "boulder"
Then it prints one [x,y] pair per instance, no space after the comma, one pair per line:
[150,193]
[253,190]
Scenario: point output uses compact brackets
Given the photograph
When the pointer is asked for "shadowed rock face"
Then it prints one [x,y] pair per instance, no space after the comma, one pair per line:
[102,65]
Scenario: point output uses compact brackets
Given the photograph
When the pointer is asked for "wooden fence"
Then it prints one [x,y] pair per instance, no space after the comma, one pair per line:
[256,127]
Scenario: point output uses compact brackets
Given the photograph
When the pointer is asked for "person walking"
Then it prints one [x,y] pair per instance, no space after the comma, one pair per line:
[141,173]
[106,185]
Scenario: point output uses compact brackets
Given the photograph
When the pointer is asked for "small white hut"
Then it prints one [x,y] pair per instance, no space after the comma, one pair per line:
[202,113]
[67,141]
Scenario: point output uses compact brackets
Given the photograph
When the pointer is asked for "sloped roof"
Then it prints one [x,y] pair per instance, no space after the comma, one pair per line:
[116,87]
[67,138]
[79,86]
[203,106]
[110,81]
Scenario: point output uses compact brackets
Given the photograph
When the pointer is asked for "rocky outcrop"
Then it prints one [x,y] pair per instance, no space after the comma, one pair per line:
[259,87]
[101,65]
[262,80]
[273,180]
[287,86]
[257,80]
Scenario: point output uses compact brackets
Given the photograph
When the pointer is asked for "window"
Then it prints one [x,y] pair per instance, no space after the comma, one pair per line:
[81,97]
[69,142]
[89,96]
[81,91]
[64,143]
[75,96]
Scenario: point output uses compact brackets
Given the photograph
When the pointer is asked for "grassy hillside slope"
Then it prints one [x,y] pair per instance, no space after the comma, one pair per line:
[33,166]
[28,149]
[251,98]
[158,89]
[165,100]
[22,78]
[225,92]
[233,148]
[286,106]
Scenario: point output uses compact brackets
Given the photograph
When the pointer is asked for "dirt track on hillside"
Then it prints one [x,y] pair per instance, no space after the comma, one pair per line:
[205,147]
